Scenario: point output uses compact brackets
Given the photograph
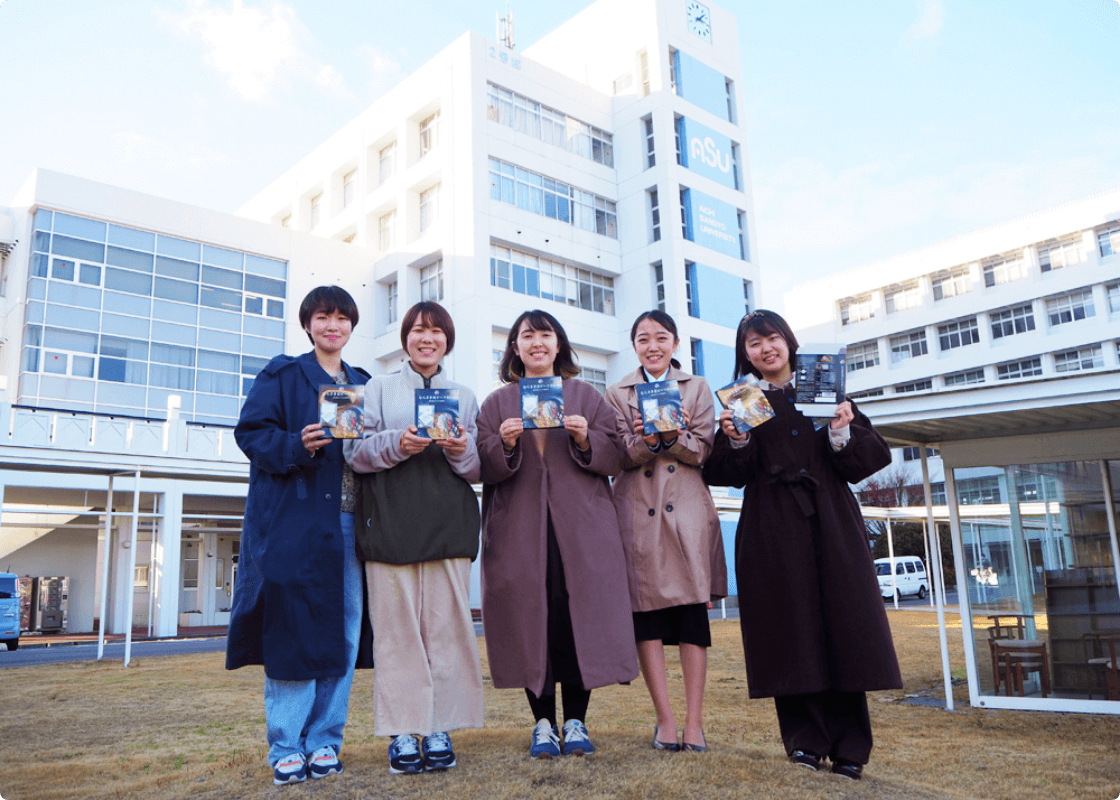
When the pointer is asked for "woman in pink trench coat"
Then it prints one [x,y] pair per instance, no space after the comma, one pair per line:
[554,598]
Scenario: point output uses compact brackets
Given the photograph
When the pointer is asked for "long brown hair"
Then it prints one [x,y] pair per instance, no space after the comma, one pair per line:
[513,368]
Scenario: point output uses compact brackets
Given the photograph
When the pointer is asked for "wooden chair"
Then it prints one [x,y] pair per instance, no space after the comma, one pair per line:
[1109,662]
[1015,657]
[995,633]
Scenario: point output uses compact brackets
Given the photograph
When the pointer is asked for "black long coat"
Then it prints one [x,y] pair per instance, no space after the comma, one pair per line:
[810,609]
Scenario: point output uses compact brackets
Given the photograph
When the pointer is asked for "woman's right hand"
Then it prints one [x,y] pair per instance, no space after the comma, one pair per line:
[510,431]
[314,438]
[727,425]
[640,429]
[413,444]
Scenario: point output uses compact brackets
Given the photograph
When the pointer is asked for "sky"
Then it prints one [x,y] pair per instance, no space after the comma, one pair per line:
[874,127]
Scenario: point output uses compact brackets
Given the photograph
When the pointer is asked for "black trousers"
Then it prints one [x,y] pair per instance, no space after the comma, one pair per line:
[829,723]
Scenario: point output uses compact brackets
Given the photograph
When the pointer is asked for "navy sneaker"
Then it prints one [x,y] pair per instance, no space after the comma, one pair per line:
[292,768]
[404,755]
[437,752]
[324,762]
[576,741]
[546,741]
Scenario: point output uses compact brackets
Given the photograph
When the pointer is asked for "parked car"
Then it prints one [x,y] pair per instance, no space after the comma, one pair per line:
[9,610]
[910,577]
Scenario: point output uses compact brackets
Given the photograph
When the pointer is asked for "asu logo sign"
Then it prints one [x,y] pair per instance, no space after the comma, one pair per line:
[708,152]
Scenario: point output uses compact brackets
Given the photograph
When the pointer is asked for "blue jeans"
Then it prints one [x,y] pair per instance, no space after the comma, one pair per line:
[304,716]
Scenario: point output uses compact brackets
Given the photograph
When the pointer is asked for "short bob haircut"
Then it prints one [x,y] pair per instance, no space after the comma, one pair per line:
[664,320]
[430,314]
[327,299]
[765,323]
[513,368]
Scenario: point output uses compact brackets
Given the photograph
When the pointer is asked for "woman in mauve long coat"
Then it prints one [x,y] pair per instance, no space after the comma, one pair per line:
[546,496]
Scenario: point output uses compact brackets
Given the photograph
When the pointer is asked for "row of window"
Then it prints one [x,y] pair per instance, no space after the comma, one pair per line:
[542,195]
[1060,310]
[1076,360]
[1052,255]
[431,288]
[549,125]
[651,155]
[532,275]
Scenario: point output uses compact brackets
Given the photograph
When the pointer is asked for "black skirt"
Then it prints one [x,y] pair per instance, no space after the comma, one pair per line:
[675,625]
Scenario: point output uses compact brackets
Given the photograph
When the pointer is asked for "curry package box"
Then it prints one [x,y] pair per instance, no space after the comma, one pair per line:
[542,402]
[437,413]
[749,406]
[340,410]
[660,405]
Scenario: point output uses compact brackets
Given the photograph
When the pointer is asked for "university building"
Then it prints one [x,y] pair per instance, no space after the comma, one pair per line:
[994,360]
[597,174]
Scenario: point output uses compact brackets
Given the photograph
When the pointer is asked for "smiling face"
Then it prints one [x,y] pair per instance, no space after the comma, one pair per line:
[426,345]
[537,350]
[768,352]
[329,331]
[655,347]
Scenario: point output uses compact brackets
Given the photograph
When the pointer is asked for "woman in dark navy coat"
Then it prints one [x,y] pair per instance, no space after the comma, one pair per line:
[815,634]
[298,605]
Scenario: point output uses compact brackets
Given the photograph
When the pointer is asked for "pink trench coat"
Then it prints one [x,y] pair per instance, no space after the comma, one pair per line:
[519,495]
[669,525]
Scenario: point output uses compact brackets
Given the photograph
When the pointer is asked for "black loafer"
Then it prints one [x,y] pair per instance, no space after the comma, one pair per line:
[847,769]
[803,759]
[668,747]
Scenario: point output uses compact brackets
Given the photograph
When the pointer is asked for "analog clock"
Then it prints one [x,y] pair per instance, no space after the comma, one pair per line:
[699,20]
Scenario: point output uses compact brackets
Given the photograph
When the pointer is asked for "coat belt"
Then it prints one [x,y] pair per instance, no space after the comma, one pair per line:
[800,482]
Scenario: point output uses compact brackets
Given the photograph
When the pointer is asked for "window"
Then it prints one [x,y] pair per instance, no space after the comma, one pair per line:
[1055,254]
[965,378]
[655,215]
[1109,241]
[385,226]
[673,76]
[429,207]
[1069,307]
[1010,321]
[684,218]
[867,393]
[542,195]
[392,302]
[387,162]
[1003,269]
[596,377]
[902,296]
[429,131]
[1076,360]
[908,345]
[976,491]
[742,236]
[862,356]
[937,493]
[537,276]
[643,60]
[730,101]
[651,157]
[549,125]
[1113,298]
[316,202]
[913,386]
[140,578]
[958,333]
[286,222]
[659,286]
[431,281]
[349,187]
[855,309]
[1026,368]
[697,357]
[747,296]
[689,291]
[350,239]
[677,138]
[951,282]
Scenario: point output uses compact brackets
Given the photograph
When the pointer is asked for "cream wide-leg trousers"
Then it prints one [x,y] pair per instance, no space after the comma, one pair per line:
[427,675]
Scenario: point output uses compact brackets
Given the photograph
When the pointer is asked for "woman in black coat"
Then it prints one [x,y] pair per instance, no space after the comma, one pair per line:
[815,633]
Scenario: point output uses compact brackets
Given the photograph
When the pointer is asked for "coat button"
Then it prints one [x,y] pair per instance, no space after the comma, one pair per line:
[794,432]
[652,512]
[669,507]
[791,399]
[328,497]
[672,468]
[649,473]
[369,523]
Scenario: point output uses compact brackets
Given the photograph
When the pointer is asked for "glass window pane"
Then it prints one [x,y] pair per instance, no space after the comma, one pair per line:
[269,286]
[175,312]
[124,348]
[220,298]
[43,219]
[74,295]
[79,226]
[216,382]
[254,305]
[127,304]
[124,281]
[123,326]
[262,326]
[69,340]
[180,248]
[212,318]
[39,265]
[171,354]
[76,248]
[276,309]
[252,366]
[54,362]
[176,290]
[219,340]
[223,257]
[90,274]
[170,332]
[222,277]
[130,237]
[208,359]
[67,317]
[268,267]
[131,259]
[81,366]
[266,348]
[62,269]
[174,268]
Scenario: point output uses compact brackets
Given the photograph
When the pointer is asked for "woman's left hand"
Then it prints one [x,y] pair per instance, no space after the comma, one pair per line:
[454,447]
[842,417]
[671,436]
[576,426]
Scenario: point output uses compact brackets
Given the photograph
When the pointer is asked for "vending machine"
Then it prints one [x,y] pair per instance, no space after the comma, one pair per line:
[50,604]
[26,586]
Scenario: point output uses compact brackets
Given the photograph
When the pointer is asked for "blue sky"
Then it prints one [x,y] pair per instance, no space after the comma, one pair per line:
[873,127]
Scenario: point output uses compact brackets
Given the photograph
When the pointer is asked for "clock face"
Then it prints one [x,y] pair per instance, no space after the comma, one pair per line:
[699,20]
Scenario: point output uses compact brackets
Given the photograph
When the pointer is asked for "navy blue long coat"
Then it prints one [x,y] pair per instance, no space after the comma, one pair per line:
[287,606]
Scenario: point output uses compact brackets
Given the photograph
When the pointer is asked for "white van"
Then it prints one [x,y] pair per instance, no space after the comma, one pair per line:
[909,577]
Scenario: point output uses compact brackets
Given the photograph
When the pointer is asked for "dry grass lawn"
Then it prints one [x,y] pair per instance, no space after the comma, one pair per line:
[183,727]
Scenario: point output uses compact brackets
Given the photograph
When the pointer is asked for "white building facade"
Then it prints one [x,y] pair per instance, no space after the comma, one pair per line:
[599,174]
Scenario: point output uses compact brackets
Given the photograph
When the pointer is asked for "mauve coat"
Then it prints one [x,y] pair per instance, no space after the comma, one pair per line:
[670,528]
[810,609]
[520,492]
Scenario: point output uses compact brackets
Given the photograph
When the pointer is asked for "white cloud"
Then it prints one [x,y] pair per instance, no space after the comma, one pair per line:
[384,69]
[258,50]
[930,22]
